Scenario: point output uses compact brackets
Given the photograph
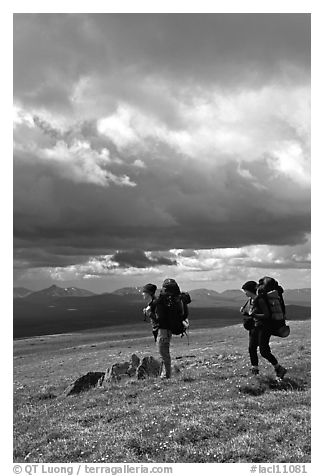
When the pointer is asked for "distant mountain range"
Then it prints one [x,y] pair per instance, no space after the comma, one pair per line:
[57,292]
[20,292]
[207,297]
[128,291]
[57,310]
[200,297]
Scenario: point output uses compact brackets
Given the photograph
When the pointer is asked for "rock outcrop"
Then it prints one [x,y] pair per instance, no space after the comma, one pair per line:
[117,371]
[87,381]
[135,367]
[120,370]
[149,367]
[134,363]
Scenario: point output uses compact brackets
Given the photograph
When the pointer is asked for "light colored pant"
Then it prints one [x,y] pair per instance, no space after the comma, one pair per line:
[163,343]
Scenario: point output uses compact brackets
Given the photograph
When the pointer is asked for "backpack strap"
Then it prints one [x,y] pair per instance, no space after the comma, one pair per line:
[152,304]
[185,309]
[247,302]
[281,300]
[283,305]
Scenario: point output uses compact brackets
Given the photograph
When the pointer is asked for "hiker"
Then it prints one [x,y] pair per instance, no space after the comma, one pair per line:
[258,321]
[172,318]
[149,311]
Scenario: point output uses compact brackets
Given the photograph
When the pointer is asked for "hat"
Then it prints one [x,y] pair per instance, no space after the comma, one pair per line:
[250,286]
[149,288]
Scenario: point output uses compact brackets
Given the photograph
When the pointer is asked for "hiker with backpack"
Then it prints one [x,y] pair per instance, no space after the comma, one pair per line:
[149,311]
[261,317]
[172,317]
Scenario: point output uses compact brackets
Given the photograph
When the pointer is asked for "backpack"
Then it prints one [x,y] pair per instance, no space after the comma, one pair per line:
[172,307]
[272,293]
[171,287]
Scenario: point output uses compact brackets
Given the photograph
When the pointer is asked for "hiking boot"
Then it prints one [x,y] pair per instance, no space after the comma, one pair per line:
[254,371]
[280,372]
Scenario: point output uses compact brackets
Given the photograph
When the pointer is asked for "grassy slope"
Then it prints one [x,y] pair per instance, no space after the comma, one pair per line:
[211,411]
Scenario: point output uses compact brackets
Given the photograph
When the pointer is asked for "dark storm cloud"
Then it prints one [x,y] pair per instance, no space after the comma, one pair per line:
[39,257]
[213,108]
[50,212]
[138,259]
[53,51]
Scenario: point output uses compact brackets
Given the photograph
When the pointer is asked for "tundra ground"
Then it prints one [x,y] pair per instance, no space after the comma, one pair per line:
[212,410]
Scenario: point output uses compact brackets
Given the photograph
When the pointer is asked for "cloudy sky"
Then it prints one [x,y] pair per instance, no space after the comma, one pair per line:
[161,145]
